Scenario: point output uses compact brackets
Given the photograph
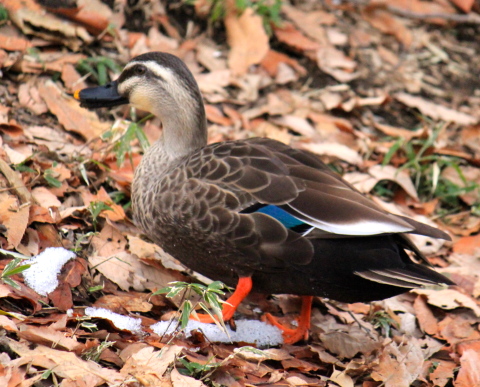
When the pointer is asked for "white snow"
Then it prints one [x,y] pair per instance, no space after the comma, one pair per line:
[248,331]
[124,323]
[42,275]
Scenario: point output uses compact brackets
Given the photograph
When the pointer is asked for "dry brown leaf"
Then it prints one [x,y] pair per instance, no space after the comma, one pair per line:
[273,59]
[14,218]
[72,79]
[69,113]
[335,63]
[348,344]
[247,39]
[8,324]
[400,364]
[469,374]
[449,299]
[288,34]
[10,42]
[341,378]
[339,151]
[366,182]
[210,56]
[214,114]
[45,198]
[149,365]
[66,364]
[388,24]
[32,20]
[124,302]
[464,5]
[310,23]
[179,380]
[51,338]
[443,372]
[427,321]
[468,245]
[93,14]
[399,132]
[29,97]
[470,137]
[297,124]
[435,111]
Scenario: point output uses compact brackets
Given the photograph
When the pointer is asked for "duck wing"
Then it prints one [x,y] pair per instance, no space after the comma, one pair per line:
[262,172]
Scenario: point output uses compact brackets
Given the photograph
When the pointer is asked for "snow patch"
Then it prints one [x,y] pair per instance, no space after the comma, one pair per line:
[124,323]
[42,275]
[248,331]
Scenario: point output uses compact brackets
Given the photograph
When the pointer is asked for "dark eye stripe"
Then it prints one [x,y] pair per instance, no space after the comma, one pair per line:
[132,71]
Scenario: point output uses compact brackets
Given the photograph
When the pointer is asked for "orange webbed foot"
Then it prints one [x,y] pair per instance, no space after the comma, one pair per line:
[291,336]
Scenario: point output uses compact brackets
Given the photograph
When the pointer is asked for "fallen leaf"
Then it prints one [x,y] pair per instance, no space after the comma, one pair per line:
[179,380]
[388,24]
[45,198]
[399,364]
[288,34]
[467,245]
[469,373]
[341,378]
[50,337]
[149,365]
[32,20]
[427,321]
[69,113]
[449,299]
[435,111]
[339,151]
[124,302]
[66,364]
[246,37]
[443,373]
[14,218]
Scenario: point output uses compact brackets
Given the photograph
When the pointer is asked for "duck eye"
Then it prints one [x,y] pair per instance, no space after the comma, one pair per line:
[140,70]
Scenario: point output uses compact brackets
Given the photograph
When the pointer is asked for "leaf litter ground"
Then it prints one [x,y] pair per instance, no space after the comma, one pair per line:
[387,93]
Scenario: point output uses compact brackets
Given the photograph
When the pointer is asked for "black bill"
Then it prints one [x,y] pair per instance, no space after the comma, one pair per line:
[101,96]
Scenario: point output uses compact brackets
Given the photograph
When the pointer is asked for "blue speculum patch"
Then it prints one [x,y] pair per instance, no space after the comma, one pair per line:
[282,216]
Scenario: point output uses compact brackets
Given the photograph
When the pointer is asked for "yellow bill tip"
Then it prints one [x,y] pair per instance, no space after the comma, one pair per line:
[76,94]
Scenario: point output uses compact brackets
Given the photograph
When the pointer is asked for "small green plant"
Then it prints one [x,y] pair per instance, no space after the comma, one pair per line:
[83,239]
[3,15]
[122,144]
[94,353]
[49,176]
[13,267]
[197,370]
[96,209]
[210,295]
[269,10]
[425,168]
[98,68]
[382,320]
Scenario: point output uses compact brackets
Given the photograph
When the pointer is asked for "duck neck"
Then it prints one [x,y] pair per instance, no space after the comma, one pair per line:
[184,130]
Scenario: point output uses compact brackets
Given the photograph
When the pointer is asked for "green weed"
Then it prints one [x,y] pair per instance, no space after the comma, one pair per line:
[13,267]
[210,300]
[98,68]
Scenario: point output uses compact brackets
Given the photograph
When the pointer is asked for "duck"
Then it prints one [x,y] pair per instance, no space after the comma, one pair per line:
[255,213]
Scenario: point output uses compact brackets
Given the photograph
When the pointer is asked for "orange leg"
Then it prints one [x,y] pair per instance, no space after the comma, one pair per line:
[230,306]
[291,336]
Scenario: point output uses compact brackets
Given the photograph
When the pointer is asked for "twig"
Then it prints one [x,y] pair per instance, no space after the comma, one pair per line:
[469,18]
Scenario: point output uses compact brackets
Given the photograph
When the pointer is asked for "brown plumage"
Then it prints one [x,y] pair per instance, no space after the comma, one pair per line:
[257,209]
